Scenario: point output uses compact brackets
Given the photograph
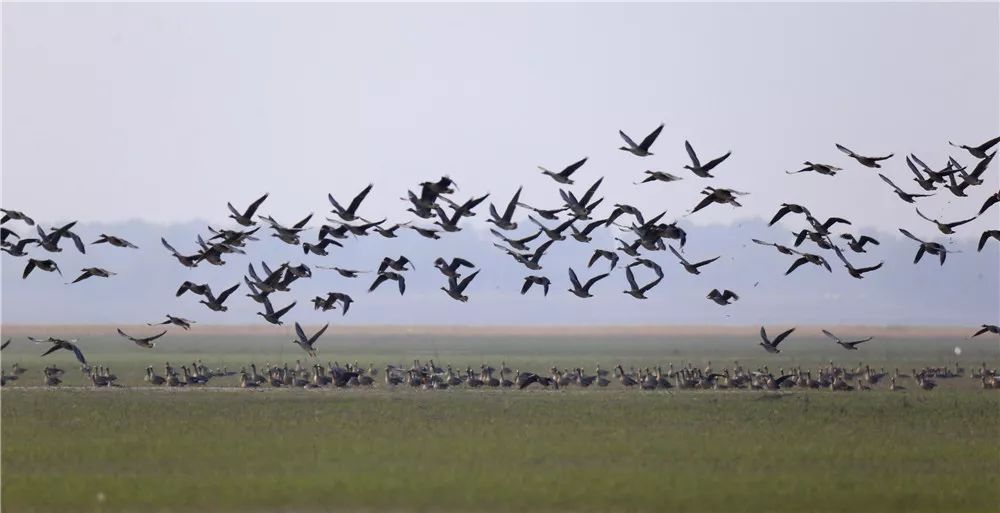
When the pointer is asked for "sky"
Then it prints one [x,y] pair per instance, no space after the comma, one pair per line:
[155,115]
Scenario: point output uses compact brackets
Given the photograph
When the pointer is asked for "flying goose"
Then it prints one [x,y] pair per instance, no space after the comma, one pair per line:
[634,289]
[658,176]
[583,291]
[823,169]
[271,315]
[333,297]
[853,271]
[216,303]
[456,288]
[307,343]
[582,207]
[389,275]
[146,342]
[536,280]
[504,221]
[808,258]
[58,343]
[688,266]
[946,228]
[320,247]
[872,162]
[390,232]
[785,209]
[821,240]
[451,269]
[448,224]
[858,244]
[398,264]
[932,248]
[346,273]
[349,213]
[584,235]
[246,218]
[553,233]
[429,233]
[93,271]
[603,253]
[640,150]
[978,151]
[287,235]
[903,195]
[990,201]
[44,265]
[713,195]
[631,250]
[645,262]
[531,259]
[465,209]
[564,175]
[359,230]
[17,250]
[722,298]
[518,244]
[16,215]
[852,346]
[702,170]
[824,227]
[987,235]
[772,347]
[551,215]
[176,321]
[185,260]
[987,328]
[785,250]
[50,241]
[4,233]
[974,178]
[117,242]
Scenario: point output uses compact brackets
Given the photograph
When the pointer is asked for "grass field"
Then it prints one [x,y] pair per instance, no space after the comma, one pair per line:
[80,449]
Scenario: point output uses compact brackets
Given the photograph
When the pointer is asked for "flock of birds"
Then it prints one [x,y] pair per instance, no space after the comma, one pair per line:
[438,211]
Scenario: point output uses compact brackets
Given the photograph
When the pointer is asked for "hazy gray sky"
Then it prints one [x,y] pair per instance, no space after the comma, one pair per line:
[163,112]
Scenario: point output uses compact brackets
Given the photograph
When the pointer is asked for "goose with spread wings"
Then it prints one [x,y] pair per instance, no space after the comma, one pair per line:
[536,280]
[146,342]
[456,288]
[702,170]
[946,228]
[531,260]
[688,266]
[274,316]
[772,346]
[351,212]
[245,218]
[505,221]
[216,303]
[58,343]
[389,275]
[308,344]
[932,248]
[849,345]
[117,242]
[641,149]
[564,175]
[872,162]
[583,291]
[634,289]
[857,272]
[903,195]
[980,152]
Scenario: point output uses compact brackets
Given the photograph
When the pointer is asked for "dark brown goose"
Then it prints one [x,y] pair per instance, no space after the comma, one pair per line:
[642,149]
[872,162]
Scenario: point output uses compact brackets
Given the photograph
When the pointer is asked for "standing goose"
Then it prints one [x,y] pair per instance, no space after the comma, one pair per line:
[946,228]
[246,218]
[456,288]
[823,169]
[564,175]
[640,150]
[978,151]
[932,248]
[987,328]
[117,242]
[93,271]
[688,266]
[853,271]
[872,162]
[216,303]
[987,235]
[451,269]
[722,298]
[858,244]
[185,260]
[583,291]
[308,343]
[349,213]
[702,170]
[518,244]
[634,289]
[146,342]
[16,215]
[851,346]
[389,275]
[903,195]
[504,221]
[44,265]
[768,345]
[603,253]
[274,316]
[176,321]
[536,280]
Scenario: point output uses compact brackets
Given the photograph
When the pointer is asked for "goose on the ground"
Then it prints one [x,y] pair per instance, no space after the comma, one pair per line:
[505,222]
[308,344]
[857,272]
[583,291]
[688,266]
[93,271]
[117,242]
[986,236]
[176,321]
[44,265]
[697,167]
[768,345]
[946,228]
[849,345]
[456,288]
[872,162]
[978,151]
[146,342]
[564,175]
[349,213]
[246,218]
[726,297]
[389,275]
[642,149]
[536,280]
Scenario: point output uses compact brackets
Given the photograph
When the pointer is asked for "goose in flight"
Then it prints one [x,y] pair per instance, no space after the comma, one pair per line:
[823,169]
[722,196]
[564,175]
[58,343]
[658,176]
[872,162]
[530,260]
[722,298]
[504,221]
[986,236]
[176,321]
[349,213]
[974,178]
[199,289]
[274,316]
[583,291]
[16,215]
[390,232]
[946,228]
[146,342]
[785,250]
[855,271]
[584,235]
[634,289]
[117,242]
[331,300]
[429,233]
[987,328]
[185,260]
[285,234]
[645,262]
[702,170]
[50,241]
[903,195]
[851,346]
[992,200]
[308,343]
[346,273]
[536,280]
[465,209]
[631,250]
[448,224]
[518,244]
[246,218]
[398,264]
[603,253]
[553,233]
[582,207]
[456,288]
[5,344]
[389,275]
[808,258]
[824,227]
[623,208]
[821,240]
[688,266]
[932,248]
[216,303]
[44,265]
[551,214]
[640,150]
[978,151]
[320,247]
[451,270]
[17,250]
[858,244]
[788,208]
[93,271]
[768,345]
[4,233]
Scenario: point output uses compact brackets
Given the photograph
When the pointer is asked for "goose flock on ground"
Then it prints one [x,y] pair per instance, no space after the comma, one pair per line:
[438,210]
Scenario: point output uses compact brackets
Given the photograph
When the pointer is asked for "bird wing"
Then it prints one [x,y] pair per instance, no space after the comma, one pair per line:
[509,212]
[649,286]
[590,192]
[28,268]
[845,150]
[459,261]
[225,294]
[715,162]
[921,214]
[920,253]
[708,200]
[692,154]
[122,333]
[678,255]
[956,224]
[537,255]
[465,282]
[356,202]
[706,262]
[378,281]
[910,235]
[168,246]
[526,286]
[594,280]
[284,310]
[631,278]
[253,206]
[872,268]
[78,353]
[831,335]
[628,140]
[402,284]
[573,167]
[303,222]
[796,265]
[648,141]
[574,280]
[763,335]
[300,333]
[154,337]
[783,336]
[888,181]
[314,338]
